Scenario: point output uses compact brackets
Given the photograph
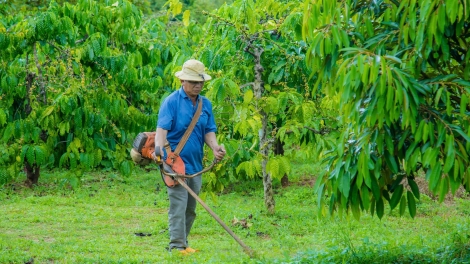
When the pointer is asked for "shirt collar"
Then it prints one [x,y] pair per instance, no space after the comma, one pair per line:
[183,94]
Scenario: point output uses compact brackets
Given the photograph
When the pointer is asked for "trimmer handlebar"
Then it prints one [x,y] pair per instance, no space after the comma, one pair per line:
[166,169]
[158,156]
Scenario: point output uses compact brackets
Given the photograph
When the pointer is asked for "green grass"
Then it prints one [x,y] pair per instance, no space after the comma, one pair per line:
[97,221]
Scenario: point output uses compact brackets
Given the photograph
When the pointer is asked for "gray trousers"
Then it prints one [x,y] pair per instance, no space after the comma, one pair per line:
[182,212]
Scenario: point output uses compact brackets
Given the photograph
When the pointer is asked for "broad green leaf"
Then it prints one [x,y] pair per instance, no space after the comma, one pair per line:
[186,15]
[320,197]
[3,118]
[273,167]
[411,204]
[8,132]
[386,195]
[356,210]
[175,7]
[419,132]
[389,142]
[414,188]
[126,168]
[344,184]
[465,136]
[410,150]
[373,205]
[391,162]
[380,207]
[454,185]
[24,150]
[441,18]
[463,104]
[437,98]
[375,187]
[402,205]
[40,155]
[425,132]
[332,204]
[248,96]
[444,189]
[393,58]
[396,196]
[102,144]
[365,197]
[435,176]
[450,157]
[30,155]
[359,177]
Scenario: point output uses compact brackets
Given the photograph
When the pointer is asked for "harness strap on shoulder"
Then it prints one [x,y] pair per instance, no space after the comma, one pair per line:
[189,130]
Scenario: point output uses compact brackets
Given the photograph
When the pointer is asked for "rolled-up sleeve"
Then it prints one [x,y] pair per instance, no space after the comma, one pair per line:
[210,126]
[165,116]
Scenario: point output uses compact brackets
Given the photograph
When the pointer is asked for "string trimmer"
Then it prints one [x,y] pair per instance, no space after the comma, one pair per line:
[166,170]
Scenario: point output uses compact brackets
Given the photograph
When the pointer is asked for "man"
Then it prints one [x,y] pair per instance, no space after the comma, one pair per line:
[174,117]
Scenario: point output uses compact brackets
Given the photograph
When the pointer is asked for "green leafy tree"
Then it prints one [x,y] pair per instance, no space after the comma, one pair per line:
[402,71]
[77,82]
[40,5]
[261,89]
[196,8]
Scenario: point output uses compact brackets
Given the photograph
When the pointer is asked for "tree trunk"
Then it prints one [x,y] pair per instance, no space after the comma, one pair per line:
[267,180]
[32,174]
[32,171]
[264,142]
[279,150]
[29,83]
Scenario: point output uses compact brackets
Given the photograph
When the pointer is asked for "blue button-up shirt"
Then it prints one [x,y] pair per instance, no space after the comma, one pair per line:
[175,115]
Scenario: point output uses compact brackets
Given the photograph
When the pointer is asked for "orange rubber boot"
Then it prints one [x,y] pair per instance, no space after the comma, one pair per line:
[191,250]
[183,252]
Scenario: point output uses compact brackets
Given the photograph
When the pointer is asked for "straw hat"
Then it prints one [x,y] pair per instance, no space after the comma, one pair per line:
[193,70]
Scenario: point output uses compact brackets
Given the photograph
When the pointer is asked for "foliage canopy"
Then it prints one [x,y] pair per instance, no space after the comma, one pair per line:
[390,82]
[77,82]
[402,72]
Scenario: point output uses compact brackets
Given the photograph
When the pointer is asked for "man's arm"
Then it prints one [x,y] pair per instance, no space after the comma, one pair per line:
[160,138]
[211,141]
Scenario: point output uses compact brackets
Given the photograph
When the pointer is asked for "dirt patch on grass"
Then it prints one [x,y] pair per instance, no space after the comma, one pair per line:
[307,180]
[423,186]
[263,235]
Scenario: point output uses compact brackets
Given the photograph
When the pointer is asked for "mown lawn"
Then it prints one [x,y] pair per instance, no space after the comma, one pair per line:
[109,219]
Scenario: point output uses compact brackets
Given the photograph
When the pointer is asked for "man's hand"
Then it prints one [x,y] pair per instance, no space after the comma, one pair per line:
[160,139]
[219,152]
[157,155]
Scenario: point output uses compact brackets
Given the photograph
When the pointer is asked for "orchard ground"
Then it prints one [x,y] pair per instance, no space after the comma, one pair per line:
[111,219]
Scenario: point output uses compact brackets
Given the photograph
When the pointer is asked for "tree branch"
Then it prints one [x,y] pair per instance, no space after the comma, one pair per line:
[41,80]
[82,40]
[322,131]
[395,2]
[247,50]
[28,83]
[246,84]
[458,100]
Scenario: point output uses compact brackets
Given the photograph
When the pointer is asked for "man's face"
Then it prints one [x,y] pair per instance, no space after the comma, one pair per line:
[192,88]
